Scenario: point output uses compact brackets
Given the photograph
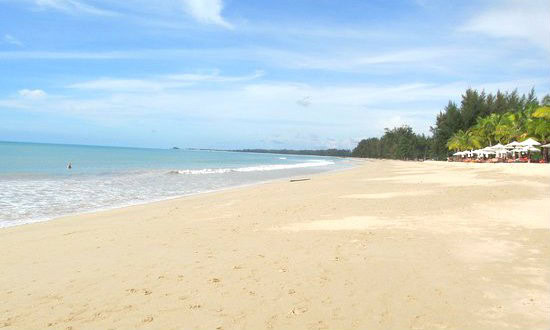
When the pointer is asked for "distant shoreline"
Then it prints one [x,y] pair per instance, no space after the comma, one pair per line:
[307,152]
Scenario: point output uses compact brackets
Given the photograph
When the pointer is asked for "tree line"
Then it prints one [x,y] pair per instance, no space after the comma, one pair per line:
[323,152]
[396,143]
[480,120]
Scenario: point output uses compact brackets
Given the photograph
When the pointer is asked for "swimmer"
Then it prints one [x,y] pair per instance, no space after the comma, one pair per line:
[69,166]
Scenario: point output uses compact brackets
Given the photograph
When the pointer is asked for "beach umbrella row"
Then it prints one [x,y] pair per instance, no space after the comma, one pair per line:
[502,150]
[526,146]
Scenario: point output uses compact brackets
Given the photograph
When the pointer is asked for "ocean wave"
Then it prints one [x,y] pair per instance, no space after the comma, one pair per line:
[259,168]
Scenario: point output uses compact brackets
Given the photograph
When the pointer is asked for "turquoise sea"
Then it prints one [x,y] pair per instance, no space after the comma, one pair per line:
[36,185]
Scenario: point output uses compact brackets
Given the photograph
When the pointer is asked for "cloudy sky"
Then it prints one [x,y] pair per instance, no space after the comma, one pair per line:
[255,73]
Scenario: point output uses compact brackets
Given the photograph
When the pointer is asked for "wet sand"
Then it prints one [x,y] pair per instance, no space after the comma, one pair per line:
[386,245]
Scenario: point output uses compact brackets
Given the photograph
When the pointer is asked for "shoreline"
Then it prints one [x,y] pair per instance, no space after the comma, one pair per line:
[385,244]
[152,201]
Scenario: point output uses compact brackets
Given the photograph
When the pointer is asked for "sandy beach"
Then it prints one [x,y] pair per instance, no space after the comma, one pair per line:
[386,245]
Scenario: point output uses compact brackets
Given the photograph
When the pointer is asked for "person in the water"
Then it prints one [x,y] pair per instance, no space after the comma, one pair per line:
[69,166]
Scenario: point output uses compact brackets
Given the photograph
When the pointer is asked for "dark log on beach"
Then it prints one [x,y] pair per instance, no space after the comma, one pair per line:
[296,180]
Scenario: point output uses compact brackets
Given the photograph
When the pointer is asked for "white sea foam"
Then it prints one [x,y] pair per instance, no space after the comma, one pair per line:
[39,196]
[259,168]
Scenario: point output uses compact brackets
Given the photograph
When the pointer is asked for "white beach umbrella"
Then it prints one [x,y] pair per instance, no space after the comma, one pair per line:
[530,142]
[489,150]
[498,150]
[512,145]
[518,149]
[483,152]
[526,149]
[502,151]
[546,145]
[459,153]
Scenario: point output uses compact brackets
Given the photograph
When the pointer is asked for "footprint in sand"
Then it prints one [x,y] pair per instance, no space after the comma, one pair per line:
[298,310]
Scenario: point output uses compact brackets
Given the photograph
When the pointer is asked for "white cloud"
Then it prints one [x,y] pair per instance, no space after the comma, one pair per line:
[206,11]
[213,77]
[351,60]
[32,93]
[8,38]
[158,54]
[110,84]
[525,19]
[69,55]
[352,103]
[260,108]
[457,61]
[159,83]
[73,7]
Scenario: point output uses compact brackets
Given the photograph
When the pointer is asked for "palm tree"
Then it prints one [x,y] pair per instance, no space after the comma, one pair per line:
[471,141]
[539,124]
[455,142]
[542,112]
[485,128]
[510,126]
[463,140]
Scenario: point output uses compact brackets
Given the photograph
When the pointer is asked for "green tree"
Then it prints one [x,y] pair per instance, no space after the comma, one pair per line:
[542,112]
[463,140]
[507,127]
[481,120]
[396,143]
[539,124]
[485,128]
[473,104]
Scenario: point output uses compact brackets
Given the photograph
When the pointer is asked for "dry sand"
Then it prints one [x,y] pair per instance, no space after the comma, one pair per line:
[387,245]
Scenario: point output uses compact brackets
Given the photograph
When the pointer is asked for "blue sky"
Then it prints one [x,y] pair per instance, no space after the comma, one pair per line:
[273,74]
